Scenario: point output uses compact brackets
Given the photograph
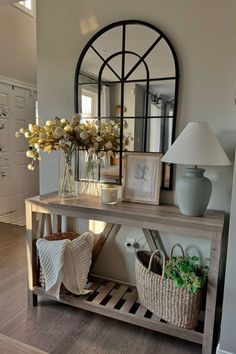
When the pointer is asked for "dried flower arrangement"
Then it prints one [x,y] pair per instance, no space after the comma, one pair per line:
[94,136]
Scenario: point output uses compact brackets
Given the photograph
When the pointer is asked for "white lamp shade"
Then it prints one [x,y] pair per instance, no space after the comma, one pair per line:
[197,145]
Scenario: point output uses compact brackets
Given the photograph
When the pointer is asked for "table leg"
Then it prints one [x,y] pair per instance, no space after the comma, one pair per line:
[56,223]
[48,222]
[211,294]
[154,241]
[31,231]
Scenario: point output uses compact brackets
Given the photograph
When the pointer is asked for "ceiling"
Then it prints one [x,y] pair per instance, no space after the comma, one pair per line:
[4,2]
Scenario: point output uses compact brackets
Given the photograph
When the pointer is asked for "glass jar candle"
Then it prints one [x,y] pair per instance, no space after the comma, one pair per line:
[109,194]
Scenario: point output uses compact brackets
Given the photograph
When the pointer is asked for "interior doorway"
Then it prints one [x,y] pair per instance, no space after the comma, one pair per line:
[17,110]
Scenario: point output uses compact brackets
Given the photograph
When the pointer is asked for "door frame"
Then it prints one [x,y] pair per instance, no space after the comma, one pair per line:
[17,83]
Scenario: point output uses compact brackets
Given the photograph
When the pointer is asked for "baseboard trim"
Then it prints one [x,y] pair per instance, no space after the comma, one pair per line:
[220,351]
[17,83]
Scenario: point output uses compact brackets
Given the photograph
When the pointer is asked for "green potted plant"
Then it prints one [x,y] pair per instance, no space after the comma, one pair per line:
[186,273]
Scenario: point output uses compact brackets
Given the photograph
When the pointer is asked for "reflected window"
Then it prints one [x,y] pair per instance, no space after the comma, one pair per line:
[89,104]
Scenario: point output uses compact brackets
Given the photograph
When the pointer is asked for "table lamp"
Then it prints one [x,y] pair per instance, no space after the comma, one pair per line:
[196,145]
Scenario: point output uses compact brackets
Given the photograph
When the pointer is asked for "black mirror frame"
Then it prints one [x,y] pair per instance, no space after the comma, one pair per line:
[123,79]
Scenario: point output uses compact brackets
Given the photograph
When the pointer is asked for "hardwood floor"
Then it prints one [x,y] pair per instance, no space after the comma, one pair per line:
[60,329]
[10,345]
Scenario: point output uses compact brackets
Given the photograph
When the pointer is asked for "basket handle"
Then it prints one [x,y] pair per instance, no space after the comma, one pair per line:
[173,248]
[163,259]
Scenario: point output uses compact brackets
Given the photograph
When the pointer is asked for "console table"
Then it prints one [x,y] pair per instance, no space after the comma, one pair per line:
[118,300]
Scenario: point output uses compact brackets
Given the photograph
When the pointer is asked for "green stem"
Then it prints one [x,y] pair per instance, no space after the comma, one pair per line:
[68,177]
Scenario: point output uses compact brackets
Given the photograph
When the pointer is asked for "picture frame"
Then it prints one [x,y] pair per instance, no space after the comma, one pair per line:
[142,177]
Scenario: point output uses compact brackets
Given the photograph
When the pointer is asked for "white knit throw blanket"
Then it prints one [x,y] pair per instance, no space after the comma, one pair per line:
[66,261]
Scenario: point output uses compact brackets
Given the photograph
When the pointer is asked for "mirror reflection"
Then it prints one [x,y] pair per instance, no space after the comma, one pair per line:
[160,103]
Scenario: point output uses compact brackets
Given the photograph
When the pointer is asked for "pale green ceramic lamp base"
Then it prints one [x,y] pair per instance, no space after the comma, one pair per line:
[193,192]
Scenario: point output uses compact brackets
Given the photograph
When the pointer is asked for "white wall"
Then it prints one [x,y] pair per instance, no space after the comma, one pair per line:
[203,34]
[17,44]
[227,339]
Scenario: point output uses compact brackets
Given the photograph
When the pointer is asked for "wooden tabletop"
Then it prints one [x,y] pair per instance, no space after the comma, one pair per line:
[162,217]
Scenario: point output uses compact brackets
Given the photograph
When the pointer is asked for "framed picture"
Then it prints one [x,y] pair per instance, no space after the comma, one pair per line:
[142,178]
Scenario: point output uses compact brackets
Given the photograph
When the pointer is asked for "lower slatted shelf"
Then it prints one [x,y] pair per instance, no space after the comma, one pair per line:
[121,302]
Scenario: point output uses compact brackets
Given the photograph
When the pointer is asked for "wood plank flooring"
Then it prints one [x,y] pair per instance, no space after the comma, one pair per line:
[61,329]
[9,345]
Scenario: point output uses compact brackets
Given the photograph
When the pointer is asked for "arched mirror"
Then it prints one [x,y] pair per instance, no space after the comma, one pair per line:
[128,74]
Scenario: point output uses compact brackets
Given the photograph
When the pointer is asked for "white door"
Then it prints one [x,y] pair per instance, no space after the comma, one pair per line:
[16,181]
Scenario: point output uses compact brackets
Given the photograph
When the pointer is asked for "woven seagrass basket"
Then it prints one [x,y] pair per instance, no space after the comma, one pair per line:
[159,295]
[57,236]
